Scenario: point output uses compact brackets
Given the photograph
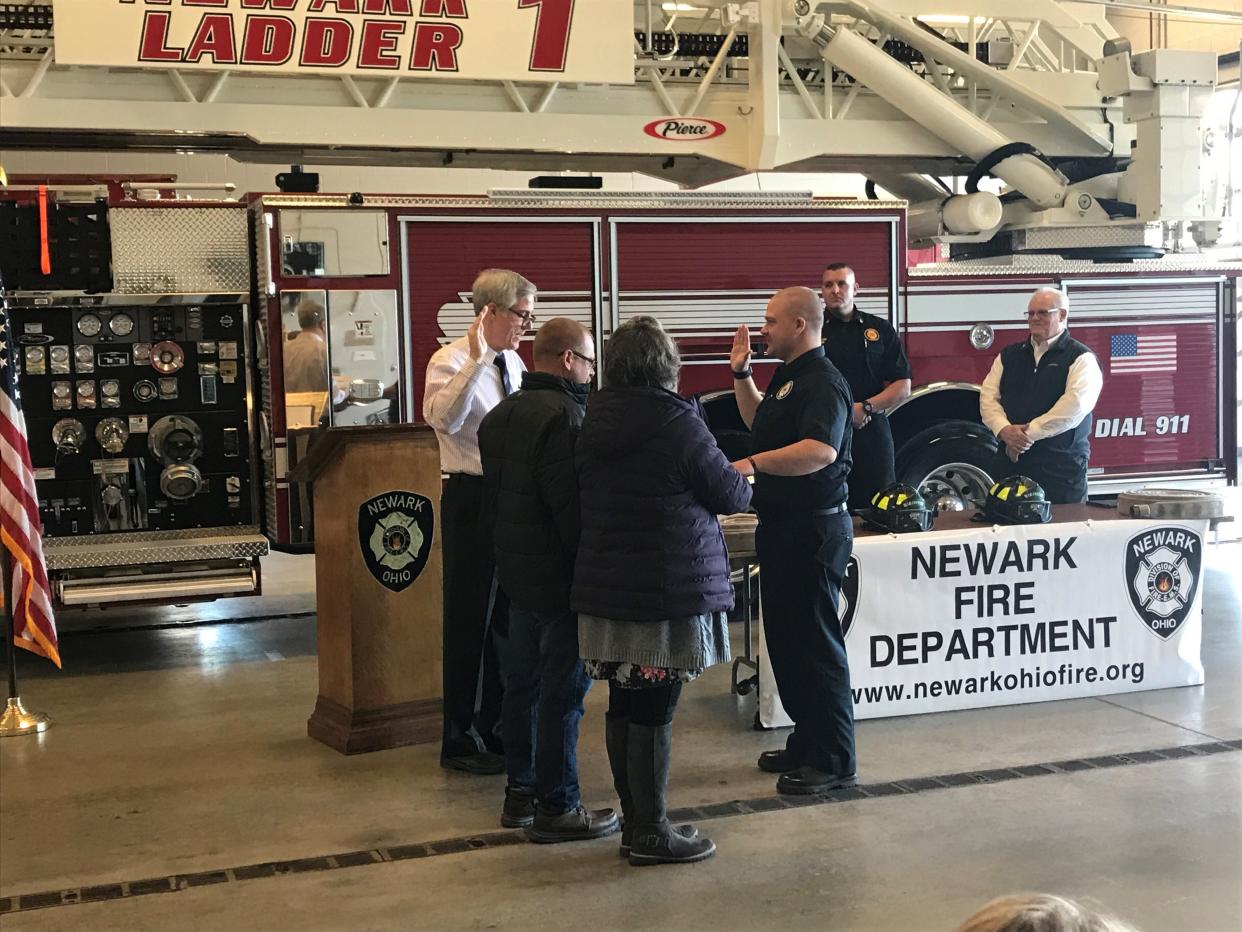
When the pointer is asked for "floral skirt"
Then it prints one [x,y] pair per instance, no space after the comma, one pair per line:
[639,655]
[635,676]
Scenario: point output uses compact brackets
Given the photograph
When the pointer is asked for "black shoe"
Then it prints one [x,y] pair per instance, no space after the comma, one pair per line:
[482,763]
[667,844]
[627,837]
[578,824]
[519,810]
[777,762]
[806,781]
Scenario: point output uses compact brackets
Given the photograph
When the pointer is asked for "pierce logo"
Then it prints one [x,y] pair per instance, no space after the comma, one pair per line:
[684,129]
[1162,577]
[847,605]
[394,534]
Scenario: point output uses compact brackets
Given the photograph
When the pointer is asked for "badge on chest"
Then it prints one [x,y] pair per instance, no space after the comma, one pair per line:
[783,392]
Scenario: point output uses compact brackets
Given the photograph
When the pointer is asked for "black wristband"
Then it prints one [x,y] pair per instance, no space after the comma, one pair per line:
[867,408]
[753,465]
[744,374]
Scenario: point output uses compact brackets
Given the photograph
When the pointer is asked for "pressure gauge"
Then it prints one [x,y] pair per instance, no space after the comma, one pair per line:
[84,357]
[89,325]
[36,360]
[62,396]
[110,392]
[121,324]
[59,355]
[144,390]
[86,394]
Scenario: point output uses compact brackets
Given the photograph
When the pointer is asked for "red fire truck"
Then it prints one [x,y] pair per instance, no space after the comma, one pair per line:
[394,274]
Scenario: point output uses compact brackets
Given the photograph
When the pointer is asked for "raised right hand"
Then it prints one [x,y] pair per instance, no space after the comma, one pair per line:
[474,336]
[739,356]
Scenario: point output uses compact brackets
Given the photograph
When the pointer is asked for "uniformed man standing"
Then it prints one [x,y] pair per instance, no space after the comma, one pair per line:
[869,354]
[801,431]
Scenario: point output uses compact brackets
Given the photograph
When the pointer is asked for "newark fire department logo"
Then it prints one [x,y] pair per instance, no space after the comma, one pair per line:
[1162,576]
[783,392]
[394,532]
[847,606]
[871,335]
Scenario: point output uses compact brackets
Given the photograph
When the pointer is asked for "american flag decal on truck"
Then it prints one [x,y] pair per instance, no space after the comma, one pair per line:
[1130,353]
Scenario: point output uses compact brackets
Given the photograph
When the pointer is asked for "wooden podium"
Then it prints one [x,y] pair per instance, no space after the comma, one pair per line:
[378,584]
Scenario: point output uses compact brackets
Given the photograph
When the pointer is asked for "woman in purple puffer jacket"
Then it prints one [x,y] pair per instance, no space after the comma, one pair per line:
[651,582]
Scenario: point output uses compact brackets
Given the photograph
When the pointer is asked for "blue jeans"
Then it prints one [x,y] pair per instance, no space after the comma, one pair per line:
[545,685]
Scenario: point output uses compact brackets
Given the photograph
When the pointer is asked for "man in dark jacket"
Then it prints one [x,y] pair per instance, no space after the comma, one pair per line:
[531,494]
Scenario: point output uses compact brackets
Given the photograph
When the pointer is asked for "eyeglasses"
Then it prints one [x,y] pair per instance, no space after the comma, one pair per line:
[586,359]
[527,317]
[1043,315]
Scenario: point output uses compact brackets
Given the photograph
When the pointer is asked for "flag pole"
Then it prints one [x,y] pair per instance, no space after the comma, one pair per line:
[15,720]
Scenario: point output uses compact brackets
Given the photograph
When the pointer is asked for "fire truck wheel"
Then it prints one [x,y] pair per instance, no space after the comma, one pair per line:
[952,472]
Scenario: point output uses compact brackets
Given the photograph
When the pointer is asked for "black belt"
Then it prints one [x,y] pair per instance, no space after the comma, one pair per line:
[790,515]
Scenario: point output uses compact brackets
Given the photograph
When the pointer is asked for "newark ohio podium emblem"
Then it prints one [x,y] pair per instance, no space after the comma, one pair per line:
[1162,576]
[394,532]
[847,605]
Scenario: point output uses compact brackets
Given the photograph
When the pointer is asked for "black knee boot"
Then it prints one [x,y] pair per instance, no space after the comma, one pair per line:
[616,739]
[652,839]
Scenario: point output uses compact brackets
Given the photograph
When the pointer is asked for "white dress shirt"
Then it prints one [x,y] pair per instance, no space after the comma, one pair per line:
[458,394]
[1082,390]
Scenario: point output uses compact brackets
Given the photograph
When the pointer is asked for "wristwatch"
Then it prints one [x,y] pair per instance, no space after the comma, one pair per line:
[867,408]
[744,374]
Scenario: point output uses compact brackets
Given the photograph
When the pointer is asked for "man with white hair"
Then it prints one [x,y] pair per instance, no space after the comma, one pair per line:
[465,380]
[1037,400]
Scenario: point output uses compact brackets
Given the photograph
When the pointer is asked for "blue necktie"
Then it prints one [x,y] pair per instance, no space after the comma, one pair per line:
[504,373]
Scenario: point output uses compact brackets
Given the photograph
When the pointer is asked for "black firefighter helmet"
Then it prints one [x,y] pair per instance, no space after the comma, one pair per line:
[1017,500]
[900,508]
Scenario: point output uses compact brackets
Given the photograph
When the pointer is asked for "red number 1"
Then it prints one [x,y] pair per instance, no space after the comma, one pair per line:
[552,24]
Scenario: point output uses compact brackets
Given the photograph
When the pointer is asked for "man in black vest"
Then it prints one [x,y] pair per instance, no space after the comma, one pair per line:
[1037,400]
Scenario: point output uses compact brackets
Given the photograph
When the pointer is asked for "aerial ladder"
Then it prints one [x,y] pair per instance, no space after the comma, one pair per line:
[1090,142]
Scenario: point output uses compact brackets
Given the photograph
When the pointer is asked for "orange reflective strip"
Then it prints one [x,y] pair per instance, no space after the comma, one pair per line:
[45,258]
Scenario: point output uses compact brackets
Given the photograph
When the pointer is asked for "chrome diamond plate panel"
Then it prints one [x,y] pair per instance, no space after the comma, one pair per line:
[616,200]
[1053,266]
[153,547]
[180,250]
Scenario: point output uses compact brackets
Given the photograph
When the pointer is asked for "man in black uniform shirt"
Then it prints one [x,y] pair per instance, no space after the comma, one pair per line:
[869,354]
[801,434]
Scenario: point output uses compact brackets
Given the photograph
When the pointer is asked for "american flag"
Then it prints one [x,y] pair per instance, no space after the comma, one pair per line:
[34,628]
[1129,352]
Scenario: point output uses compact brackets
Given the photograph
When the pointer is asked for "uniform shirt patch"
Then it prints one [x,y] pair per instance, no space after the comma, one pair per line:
[783,391]
[871,334]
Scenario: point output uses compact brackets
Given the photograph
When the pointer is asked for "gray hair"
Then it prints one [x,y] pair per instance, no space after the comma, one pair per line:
[1061,296]
[1040,912]
[640,353]
[500,287]
[310,313]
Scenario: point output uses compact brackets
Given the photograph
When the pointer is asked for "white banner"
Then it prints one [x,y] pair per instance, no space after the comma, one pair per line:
[517,40]
[1005,615]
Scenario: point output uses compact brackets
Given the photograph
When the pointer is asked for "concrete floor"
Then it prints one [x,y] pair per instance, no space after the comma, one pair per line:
[183,751]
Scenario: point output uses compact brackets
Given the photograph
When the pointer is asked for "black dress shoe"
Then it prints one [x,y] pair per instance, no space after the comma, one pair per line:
[806,781]
[482,763]
[777,762]
[579,824]
[519,810]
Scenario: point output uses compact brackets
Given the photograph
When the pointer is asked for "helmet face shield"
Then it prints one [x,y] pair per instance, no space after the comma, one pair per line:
[898,509]
[1017,500]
